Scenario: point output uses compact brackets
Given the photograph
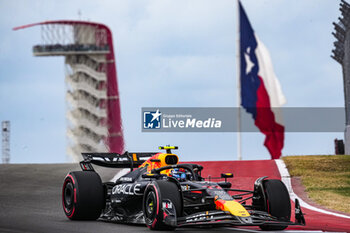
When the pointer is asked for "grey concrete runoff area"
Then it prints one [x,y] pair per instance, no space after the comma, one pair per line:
[30,201]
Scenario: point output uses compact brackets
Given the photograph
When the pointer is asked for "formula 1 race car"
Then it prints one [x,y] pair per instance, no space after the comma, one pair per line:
[164,194]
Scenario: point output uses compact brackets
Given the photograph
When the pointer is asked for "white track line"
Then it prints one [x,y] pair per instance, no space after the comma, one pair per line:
[287,181]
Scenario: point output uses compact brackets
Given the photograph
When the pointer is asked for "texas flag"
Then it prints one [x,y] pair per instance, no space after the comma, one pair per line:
[261,92]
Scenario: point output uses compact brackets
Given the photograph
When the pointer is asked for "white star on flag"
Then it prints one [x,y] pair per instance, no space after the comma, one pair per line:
[249,63]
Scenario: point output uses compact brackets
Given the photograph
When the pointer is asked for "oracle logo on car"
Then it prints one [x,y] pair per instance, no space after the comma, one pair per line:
[127,189]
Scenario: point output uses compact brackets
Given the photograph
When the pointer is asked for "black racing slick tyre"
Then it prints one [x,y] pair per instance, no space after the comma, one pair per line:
[153,197]
[277,202]
[82,195]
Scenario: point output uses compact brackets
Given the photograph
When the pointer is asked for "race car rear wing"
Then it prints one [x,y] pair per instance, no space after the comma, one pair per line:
[114,160]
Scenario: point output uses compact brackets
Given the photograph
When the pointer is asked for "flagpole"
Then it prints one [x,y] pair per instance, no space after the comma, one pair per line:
[238,58]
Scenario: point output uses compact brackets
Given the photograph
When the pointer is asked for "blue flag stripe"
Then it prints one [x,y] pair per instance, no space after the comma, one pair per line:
[249,81]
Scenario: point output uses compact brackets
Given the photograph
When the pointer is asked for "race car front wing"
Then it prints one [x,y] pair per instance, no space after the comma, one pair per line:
[218,217]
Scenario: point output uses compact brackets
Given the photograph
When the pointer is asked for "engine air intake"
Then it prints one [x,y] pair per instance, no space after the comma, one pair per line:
[171,159]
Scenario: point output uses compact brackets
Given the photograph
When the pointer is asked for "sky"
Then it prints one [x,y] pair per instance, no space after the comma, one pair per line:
[169,53]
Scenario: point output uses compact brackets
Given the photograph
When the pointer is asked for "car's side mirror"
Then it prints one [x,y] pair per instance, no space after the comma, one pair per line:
[226,175]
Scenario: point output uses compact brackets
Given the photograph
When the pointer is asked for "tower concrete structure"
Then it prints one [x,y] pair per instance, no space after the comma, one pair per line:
[93,114]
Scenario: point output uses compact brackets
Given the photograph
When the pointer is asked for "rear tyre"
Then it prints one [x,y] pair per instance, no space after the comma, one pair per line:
[154,195]
[277,202]
[82,195]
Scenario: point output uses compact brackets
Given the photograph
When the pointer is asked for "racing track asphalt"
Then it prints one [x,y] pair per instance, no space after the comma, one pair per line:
[30,201]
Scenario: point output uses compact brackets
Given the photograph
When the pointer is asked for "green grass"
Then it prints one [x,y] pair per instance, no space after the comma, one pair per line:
[326,178]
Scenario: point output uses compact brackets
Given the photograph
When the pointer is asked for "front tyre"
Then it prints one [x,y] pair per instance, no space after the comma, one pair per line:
[154,195]
[82,195]
[277,203]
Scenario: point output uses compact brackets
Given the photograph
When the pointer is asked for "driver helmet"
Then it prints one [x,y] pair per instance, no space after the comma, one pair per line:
[178,173]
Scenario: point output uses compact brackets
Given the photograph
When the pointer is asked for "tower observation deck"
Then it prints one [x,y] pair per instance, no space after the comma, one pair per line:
[93,105]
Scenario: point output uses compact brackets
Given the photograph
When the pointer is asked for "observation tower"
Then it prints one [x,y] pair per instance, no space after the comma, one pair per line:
[92,97]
